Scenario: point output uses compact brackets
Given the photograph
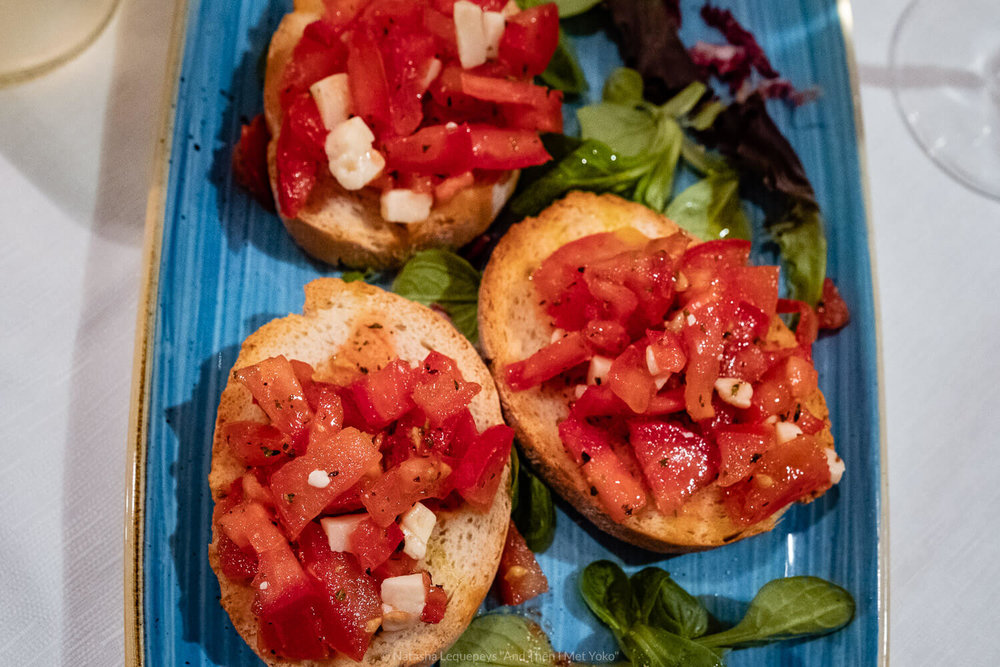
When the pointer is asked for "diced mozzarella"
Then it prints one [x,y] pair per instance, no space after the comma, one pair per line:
[734,391]
[786,431]
[493,26]
[403,600]
[401,205]
[433,69]
[353,160]
[333,98]
[598,371]
[579,390]
[654,368]
[836,465]
[319,479]
[557,334]
[469,34]
[660,380]
[338,530]
[417,524]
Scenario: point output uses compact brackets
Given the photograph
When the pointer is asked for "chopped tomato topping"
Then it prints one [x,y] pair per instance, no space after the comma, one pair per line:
[519,577]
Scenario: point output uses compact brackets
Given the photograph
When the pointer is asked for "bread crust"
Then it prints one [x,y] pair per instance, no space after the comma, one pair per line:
[512,326]
[334,335]
[339,226]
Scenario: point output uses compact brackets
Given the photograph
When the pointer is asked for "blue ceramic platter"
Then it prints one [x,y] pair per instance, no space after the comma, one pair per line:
[226,267]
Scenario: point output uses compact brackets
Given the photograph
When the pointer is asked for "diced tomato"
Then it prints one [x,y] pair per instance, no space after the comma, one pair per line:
[296,173]
[801,375]
[276,390]
[288,607]
[740,446]
[328,409]
[342,12]
[373,544]
[546,117]
[630,380]
[519,577]
[784,474]
[832,311]
[479,474]
[743,360]
[317,55]
[567,352]
[442,27]
[345,458]
[348,501]
[435,604]
[451,186]
[748,324]
[667,350]
[408,57]
[505,91]
[385,395]
[250,161]
[352,604]
[599,401]
[617,489]
[809,423]
[236,563]
[435,149]
[397,565]
[368,81]
[607,337]
[439,389]
[258,444]
[400,487]
[674,461]
[703,339]
[529,39]
[504,149]
[303,122]
[255,492]
[756,285]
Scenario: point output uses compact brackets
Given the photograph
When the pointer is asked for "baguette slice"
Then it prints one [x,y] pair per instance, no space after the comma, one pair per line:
[512,326]
[338,226]
[345,326]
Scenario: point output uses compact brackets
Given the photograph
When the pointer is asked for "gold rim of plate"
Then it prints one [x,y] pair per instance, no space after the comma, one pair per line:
[138,413]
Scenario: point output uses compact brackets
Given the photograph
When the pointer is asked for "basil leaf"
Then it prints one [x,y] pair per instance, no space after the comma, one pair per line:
[785,609]
[664,604]
[354,276]
[647,646]
[656,186]
[606,590]
[802,241]
[591,166]
[442,278]
[500,640]
[623,86]
[535,517]
[563,71]
[711,208]
[628,130]
[683,102]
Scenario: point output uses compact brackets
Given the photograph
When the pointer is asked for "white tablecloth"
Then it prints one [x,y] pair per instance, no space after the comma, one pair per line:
[75,157]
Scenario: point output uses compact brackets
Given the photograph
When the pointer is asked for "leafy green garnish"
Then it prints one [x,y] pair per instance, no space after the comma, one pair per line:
[567,8]
[659,624]
[711,208]
[563,71]
[500,640]
[354,276]
[442,278]
[789,608]
[802,241]
[535,514]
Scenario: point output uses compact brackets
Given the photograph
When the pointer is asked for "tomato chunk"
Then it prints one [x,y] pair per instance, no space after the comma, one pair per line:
[373,544]
[740,447]
[676,463]
[400,487]
[258,444]
[436,149]
[569,351]
[344,459]
[614,485]
[439,389]
[530,39]
[505,149]
[519,577]
[277,391]
[479,474]
[386,394]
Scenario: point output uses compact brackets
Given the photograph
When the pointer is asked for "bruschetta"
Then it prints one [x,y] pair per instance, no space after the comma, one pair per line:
[649,377]
[360,473]
[398,125]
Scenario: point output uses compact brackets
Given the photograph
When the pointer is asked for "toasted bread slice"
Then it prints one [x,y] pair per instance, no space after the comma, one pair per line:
[512,326]
[345,326]
[339,226]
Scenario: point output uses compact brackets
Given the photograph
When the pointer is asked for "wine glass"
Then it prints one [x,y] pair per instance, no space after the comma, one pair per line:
[945,65]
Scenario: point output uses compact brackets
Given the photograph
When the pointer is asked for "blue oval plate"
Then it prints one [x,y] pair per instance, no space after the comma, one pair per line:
[220,266]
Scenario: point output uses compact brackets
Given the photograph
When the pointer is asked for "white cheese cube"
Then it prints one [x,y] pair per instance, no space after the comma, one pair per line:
[660,380]
[598,371]
[433,69]
[417,524]
[510,9]
[654,368]
[836,465]
[734,391]
[493,26]
[557,334]
[469,34]
[786,431]
[403,600]
[333,98]
[401,205]
[353,160]
[579,390]
[319,479]
[338,530]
